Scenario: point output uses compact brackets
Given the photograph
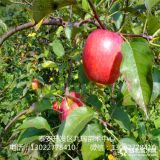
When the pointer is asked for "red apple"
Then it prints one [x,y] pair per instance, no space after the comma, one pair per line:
[102,56]
[35,84]
[69,104]
[55,106]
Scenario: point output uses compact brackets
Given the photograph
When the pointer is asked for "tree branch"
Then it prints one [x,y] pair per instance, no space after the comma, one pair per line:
[74,98]
[68,78]
[49,21]
[14,30]
[137,35]
[126,4]
[96,14]
[77,24]
[60,22]
[29,110]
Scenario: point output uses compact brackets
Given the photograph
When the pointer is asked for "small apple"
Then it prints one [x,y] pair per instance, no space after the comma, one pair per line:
[68,105]
[35,84]
[102,56]
[55,106]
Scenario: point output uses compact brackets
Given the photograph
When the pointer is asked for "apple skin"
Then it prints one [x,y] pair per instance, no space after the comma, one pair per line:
[35,84]
[68,105]
[102,56]
[55,106]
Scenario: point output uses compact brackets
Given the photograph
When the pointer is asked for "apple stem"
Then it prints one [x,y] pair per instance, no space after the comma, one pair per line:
[96,14]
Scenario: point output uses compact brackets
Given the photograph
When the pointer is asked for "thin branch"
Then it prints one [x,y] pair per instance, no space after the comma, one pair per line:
[106,125]
[68,155]
[14,30]
[137,35]
[156,33]
[111,4]
[96,14]
[49,21]
[19,3]
[69,78]
[15,118]
[126,2]
[29,3]
[60,22]
[18,116]
[57,95]
[74,98]
[78,24]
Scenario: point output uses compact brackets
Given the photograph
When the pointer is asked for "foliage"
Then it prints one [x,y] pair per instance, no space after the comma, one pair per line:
[125,115]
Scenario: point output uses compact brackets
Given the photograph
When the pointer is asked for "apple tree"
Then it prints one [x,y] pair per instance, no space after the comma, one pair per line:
[80,79]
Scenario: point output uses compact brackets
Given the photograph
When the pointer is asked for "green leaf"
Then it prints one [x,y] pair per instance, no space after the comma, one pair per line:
[43,105]
[3,27]
[82,76]
[127,99]
[151,3]
[126,146]
[77,10]
[58,48]
[25,90]
[71,31]
[41,8]
[153,24]
[142,130]
[21,84]
[92,149]
[85,5]
[72,127]
[157,123]
[5,2]
[156,83]
[117,15]
[59,31]
[48,64]
[29,135]
[156,132]
[121,118]
[68,32]
[136,69]
[37,122]
[94,101]
[77,158]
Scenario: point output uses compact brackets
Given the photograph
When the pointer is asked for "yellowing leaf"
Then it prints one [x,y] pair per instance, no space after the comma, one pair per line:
[38,25]
[59,30]
[32,34]
[69,101]
[48,64]
[111,157]
[108,145]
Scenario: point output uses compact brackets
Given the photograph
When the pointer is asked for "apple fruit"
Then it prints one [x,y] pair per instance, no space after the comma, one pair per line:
[102,56]
[55,106]
[68,104]
[35,84]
